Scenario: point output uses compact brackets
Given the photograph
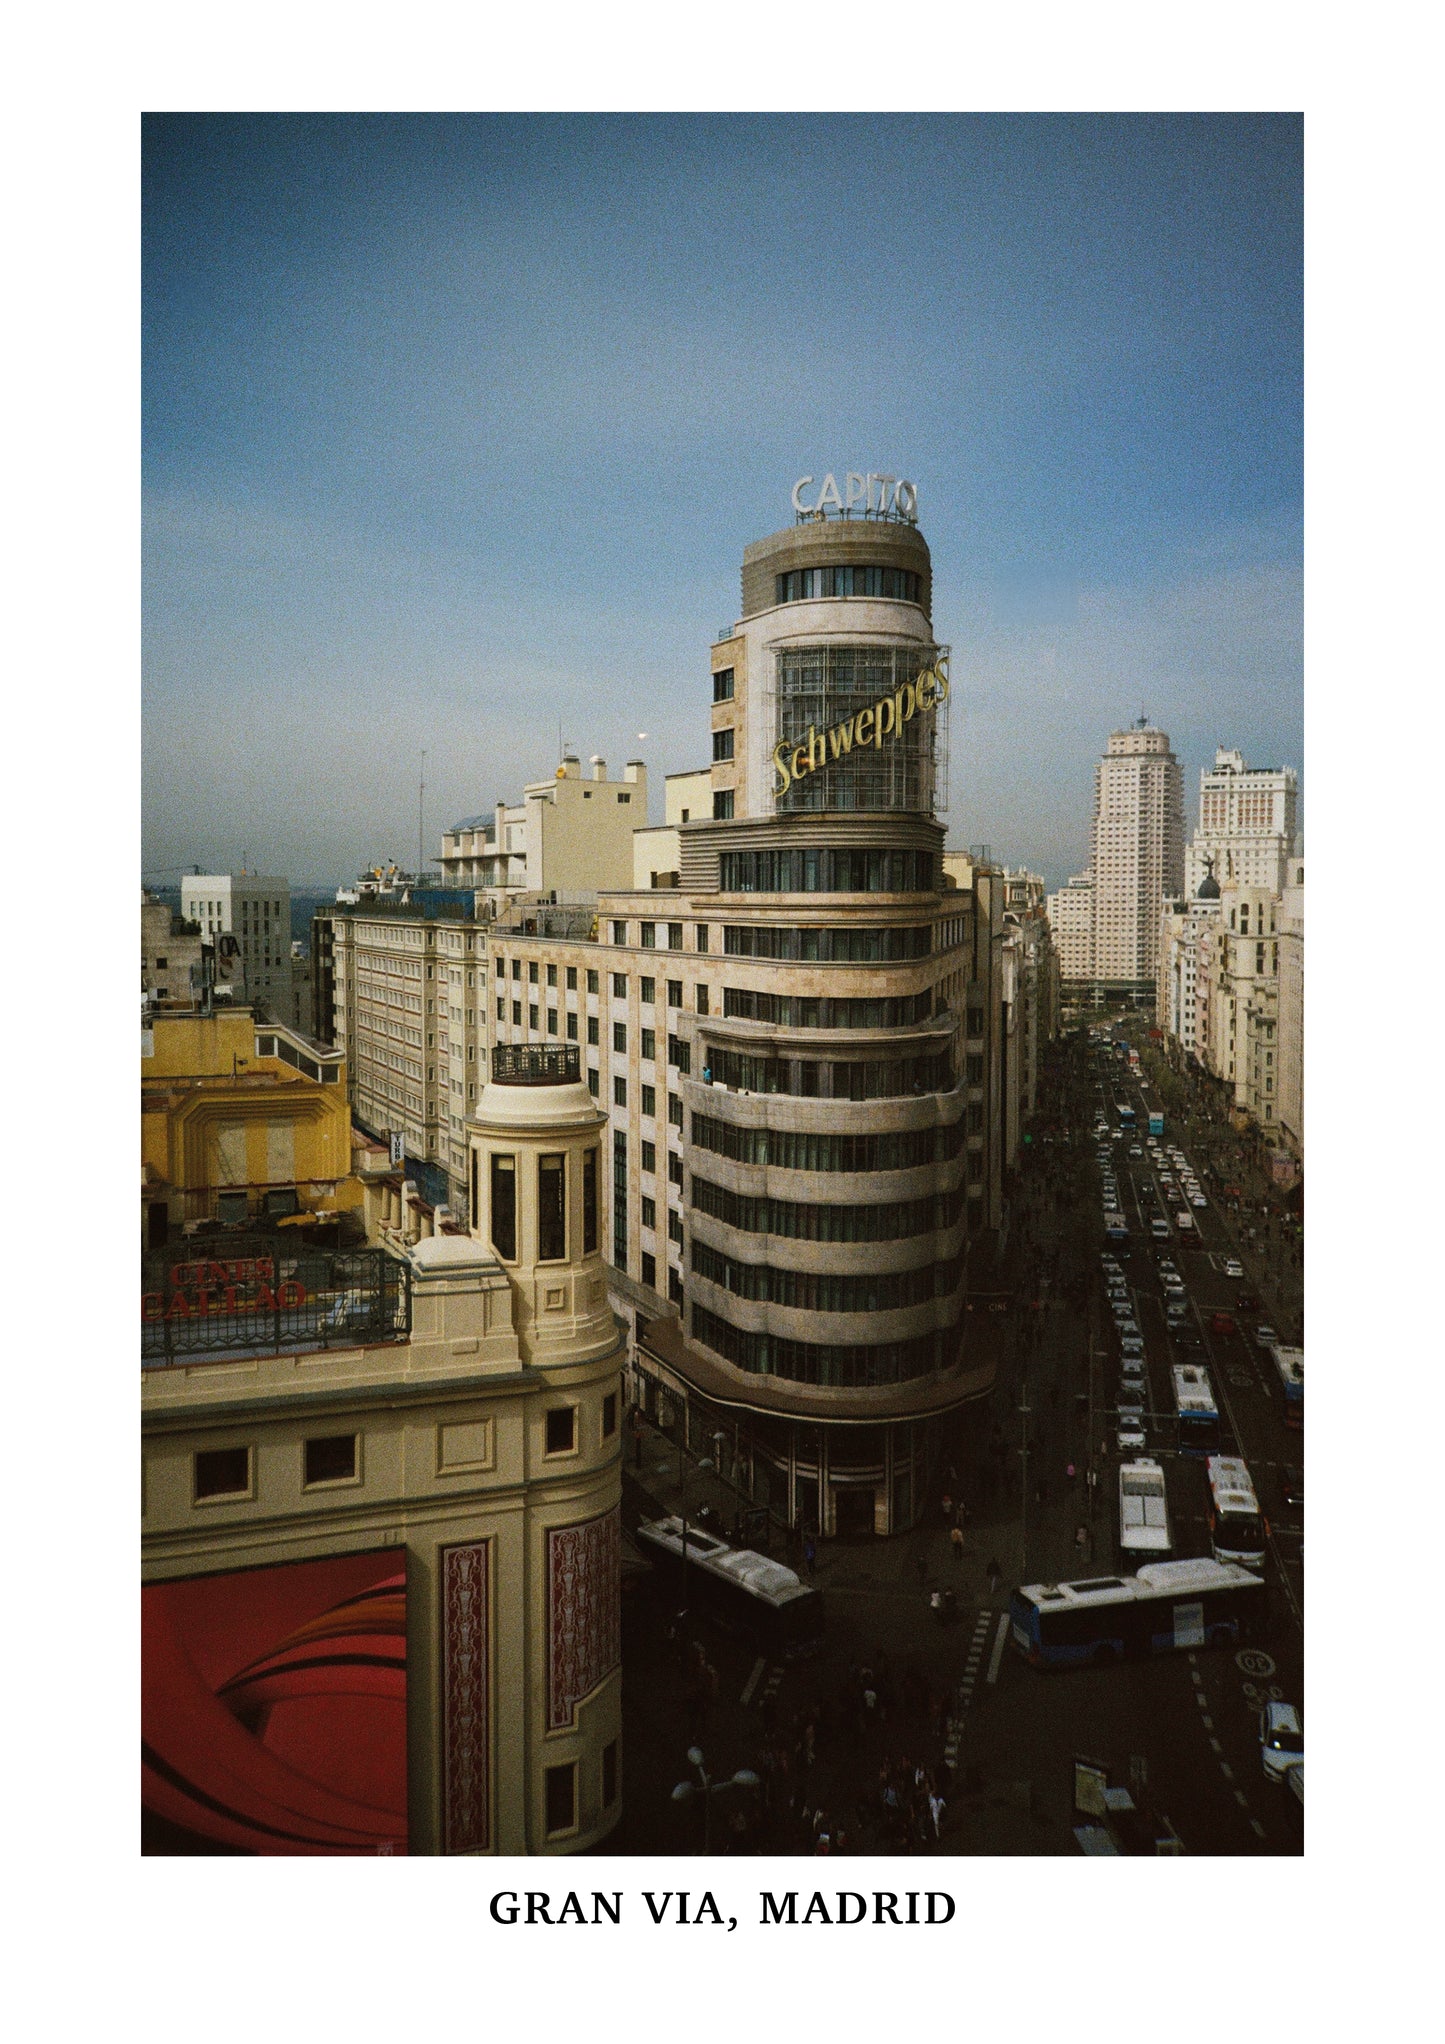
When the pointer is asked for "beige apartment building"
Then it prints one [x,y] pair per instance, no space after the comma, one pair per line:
[381,1540]
[247,917]
[567,837]
[1071,920]
[1292,1009]
[170,954]
[1247,822]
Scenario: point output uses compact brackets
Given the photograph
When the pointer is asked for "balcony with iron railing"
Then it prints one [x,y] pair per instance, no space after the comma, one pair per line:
[250,1295]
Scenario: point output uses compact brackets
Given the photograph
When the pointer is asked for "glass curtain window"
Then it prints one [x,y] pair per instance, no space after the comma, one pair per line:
[551,1208]
[589,1202]
[504,1207]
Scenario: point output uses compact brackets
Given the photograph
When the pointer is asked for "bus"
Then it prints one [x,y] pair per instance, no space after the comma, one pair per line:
[1143,1508]
[1168,1604]
[744,1591]
[1124,1111]
[1290,1364]
[1153,1113]
[1236,1530]
[1198,1413]
[1116,1227]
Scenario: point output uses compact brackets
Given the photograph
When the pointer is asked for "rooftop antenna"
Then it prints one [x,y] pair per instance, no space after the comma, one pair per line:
[421,816]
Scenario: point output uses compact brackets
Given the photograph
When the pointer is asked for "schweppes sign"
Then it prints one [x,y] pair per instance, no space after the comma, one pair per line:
[794,759]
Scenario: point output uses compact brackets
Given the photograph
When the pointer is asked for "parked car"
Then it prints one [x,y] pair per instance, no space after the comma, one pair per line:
[1233,1268]
[1133,1365]
[1281,1739]
[1292,1485]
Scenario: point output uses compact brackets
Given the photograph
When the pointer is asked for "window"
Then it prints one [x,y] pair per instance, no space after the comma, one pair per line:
[619,986]
[331,1458]
[674,936]
[975,1022]
[532,1019]
[551,1208]
[702,1000]
[649,1043]
[619,1092]
[674,1225]
[532,971]
[592,1029]
[572,1028]
[722,743]
[649,936]
[591,982]
[674,1286]
[609,1774]
[619,933]
[674,993]
[649,1100]
[649,990]
[722,685]
[649,1212]
[571,979]
[674,1112]
[649,1270]
[619,1036]
[679,1053]
[702,936]
[561,1788]
[649,1150]
[551,975]
[222,1473]
[562,1430]
[504,1206]
[589,1201]
[722,806]
[592,1080]
[501,1011]
[674,1166]
[517,1014]
[516,968]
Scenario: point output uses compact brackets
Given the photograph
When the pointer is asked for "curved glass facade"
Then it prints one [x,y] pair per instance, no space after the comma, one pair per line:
[829,1078]
[829,1291]
[814,1150]
[844,1365]
[827,869]
[800,1221]
[898,585]
[863,946]
[827,1011]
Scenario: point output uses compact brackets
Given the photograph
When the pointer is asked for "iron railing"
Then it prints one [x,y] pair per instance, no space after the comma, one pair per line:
[259,1295]
[536,1064]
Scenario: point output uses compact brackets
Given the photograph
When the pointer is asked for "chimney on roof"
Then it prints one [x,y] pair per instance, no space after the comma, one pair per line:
[599,767]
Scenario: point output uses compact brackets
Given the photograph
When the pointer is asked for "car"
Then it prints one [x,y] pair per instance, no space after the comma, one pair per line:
[1132,1365]
[1222,1323]
[1131,1344]
[1197,1199]
[1146,1185]
[1292,1485]
[1159,1229]
[1135,1150]
[1176,1311]
[1131,1400]
[1281,1739]
[1248,1302]
[1131,1434]
[1265,1336]
[1233,1268]
[1127,1325]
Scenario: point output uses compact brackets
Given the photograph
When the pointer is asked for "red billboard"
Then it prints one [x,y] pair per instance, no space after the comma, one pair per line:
[273,1709]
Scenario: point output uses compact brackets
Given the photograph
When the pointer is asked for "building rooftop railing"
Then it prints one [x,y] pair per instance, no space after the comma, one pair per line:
[536,1064]
[256,1295]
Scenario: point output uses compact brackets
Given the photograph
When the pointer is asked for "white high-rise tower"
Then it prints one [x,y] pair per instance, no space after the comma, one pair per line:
[1138,853]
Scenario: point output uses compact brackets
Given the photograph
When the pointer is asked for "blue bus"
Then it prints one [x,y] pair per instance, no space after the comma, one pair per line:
[1153,1113]
[1124,1111]
[1198,1413]
[1168,1604]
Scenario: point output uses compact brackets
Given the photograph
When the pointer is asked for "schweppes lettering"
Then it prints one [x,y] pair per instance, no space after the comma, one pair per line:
[883,719]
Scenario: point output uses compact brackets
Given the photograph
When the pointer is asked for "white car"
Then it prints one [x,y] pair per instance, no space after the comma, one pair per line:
[1197,1199]
[1265,1336]
[1281,1740]
[1135,1150]
[1131,1432]
[1233,1267]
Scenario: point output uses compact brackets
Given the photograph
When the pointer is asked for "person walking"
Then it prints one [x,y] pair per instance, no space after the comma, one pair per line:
[956,1542]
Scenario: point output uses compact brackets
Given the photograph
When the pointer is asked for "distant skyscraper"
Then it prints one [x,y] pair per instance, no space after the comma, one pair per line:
[1138,852]
[1247,825]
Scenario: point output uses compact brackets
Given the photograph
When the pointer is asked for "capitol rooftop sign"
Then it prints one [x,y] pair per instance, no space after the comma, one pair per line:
[870,496]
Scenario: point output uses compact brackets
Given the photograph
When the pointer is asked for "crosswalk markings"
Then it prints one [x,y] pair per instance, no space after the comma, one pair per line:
[1256,1827]
[1241,1798]
[963,1696]
[753,1680]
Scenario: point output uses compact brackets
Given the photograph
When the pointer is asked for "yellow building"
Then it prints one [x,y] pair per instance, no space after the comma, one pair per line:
[239,1121]
[382,1532]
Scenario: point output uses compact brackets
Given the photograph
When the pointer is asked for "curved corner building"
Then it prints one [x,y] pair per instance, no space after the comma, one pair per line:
[816,1252]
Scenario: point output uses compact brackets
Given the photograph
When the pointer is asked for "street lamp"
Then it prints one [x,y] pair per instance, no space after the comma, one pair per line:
[708,1788]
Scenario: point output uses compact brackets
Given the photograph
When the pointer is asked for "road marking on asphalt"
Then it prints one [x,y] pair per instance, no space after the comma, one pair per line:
[1226,1770]
[753,1680]
[1241,1798]
[996,1658]
[1256,1827]
[1216,1745]
[1208,1723]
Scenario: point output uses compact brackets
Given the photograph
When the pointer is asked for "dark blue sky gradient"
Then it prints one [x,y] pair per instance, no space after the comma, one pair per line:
[455,426]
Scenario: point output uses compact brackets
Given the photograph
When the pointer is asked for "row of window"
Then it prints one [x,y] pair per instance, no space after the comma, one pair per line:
[845,1365]
[901,585]
[826,1291]
[827,869]
[827,1011]
[809,1150]
[328,1459]
[812,1079]
[551,1204]
[829,946]
[761,1215]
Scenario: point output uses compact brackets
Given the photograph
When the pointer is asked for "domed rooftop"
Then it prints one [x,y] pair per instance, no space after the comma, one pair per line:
[1208,886]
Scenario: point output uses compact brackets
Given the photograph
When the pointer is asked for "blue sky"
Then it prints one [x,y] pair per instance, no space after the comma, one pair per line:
[457,426]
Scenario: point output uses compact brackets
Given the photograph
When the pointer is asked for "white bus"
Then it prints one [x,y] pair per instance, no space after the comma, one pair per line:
[1198,1413]
[1236,1530]
[1290,1364]
[1143,1508]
